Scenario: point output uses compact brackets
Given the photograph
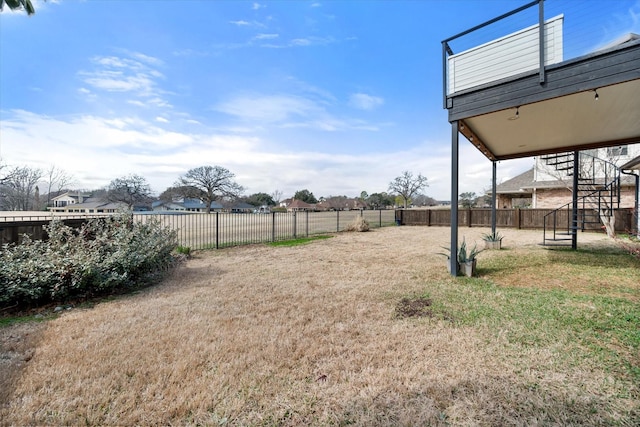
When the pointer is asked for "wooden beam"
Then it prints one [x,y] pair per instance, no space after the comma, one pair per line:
[473,138]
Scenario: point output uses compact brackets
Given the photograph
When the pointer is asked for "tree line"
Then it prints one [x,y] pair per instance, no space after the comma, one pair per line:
[24,188]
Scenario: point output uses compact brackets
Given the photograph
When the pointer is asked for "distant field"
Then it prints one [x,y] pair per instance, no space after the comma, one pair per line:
[206,231]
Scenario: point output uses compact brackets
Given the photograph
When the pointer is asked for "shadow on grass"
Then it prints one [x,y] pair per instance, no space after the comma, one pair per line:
[496,401]
[18,344]
[594,257]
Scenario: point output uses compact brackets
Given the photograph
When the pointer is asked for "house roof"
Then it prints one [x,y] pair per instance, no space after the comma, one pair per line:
[633,164]
[516,184]
[71,194]
[525,184]
[299,204]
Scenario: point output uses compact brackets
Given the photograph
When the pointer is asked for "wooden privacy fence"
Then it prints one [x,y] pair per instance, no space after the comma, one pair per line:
[505,218]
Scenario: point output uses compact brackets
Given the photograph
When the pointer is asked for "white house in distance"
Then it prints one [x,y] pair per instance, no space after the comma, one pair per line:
[79,202]
[548,186]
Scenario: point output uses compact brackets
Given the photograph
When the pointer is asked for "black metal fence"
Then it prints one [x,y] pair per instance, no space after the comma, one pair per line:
[218,230]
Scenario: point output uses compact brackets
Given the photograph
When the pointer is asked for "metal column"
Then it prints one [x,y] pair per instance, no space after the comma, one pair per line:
[493,200]
[453,260]
[574,208]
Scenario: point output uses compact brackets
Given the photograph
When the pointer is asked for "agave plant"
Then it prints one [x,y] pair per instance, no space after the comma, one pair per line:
[493,237]
[464,253]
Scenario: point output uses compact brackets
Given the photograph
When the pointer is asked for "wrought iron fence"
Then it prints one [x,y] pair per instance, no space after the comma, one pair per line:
[220,229]
[215,230]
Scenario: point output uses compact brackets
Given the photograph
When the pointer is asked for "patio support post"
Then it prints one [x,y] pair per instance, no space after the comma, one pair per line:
[453,259]
[493,200]
[574,208]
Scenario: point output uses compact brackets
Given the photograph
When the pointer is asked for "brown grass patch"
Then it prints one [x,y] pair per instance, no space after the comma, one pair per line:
[302,335]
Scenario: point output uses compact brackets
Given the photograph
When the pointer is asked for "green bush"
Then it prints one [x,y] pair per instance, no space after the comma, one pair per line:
[104,255]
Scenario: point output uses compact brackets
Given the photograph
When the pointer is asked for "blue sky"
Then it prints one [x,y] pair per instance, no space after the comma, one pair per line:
[335,97]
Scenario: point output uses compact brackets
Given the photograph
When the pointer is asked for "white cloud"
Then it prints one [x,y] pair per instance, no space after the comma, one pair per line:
[257,6]
[240,23]
[119,74]
[362,101]
[97,149]
[312,41]
[267,108]
[266,36]
[161,119]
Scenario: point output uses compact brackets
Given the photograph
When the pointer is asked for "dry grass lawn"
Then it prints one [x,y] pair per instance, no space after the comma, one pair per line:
[309,335]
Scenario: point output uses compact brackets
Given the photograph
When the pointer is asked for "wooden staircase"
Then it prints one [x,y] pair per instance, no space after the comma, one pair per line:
[598,195]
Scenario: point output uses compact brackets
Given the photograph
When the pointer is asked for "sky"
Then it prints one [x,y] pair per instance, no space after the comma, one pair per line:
[337,97]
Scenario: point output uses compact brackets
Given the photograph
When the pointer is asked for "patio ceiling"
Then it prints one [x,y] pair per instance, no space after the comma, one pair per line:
[521,117]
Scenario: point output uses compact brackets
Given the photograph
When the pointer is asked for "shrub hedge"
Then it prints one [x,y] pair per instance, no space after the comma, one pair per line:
[104,255]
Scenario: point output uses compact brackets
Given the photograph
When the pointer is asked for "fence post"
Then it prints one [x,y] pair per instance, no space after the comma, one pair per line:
[517,218]
[273,226]
[295,224]
[307,226]
[337,221]
[469,217]
[217,231]
[380,217]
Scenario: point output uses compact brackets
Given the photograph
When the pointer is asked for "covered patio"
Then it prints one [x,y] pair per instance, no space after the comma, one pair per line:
[558,105]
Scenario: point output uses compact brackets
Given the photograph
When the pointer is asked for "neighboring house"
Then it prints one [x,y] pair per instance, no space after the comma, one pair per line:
[184,205]
[83,203]
[632,168]
[242,207]
[298,206]
[285,203]
[68,198]
[545,187]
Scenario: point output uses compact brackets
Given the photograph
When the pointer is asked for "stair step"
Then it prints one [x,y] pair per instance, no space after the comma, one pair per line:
[556,244]
[559,162]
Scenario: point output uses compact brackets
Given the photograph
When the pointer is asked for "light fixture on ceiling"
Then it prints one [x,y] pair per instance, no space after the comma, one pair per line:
[461,125]
[516,116]
[596,97]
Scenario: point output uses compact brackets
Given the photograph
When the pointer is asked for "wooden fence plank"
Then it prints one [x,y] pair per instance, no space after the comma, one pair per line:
[505,218]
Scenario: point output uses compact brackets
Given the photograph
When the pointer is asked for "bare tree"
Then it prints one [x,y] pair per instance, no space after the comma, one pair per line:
[209,183]
[276,196]
[132,190]
[406,185]
[5,175]
[56,179]
[18,188]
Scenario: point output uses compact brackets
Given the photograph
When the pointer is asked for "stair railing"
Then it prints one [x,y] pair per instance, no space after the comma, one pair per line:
[611,191]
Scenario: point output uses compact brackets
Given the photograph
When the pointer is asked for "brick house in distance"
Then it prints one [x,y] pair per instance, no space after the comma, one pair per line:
[547,185]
